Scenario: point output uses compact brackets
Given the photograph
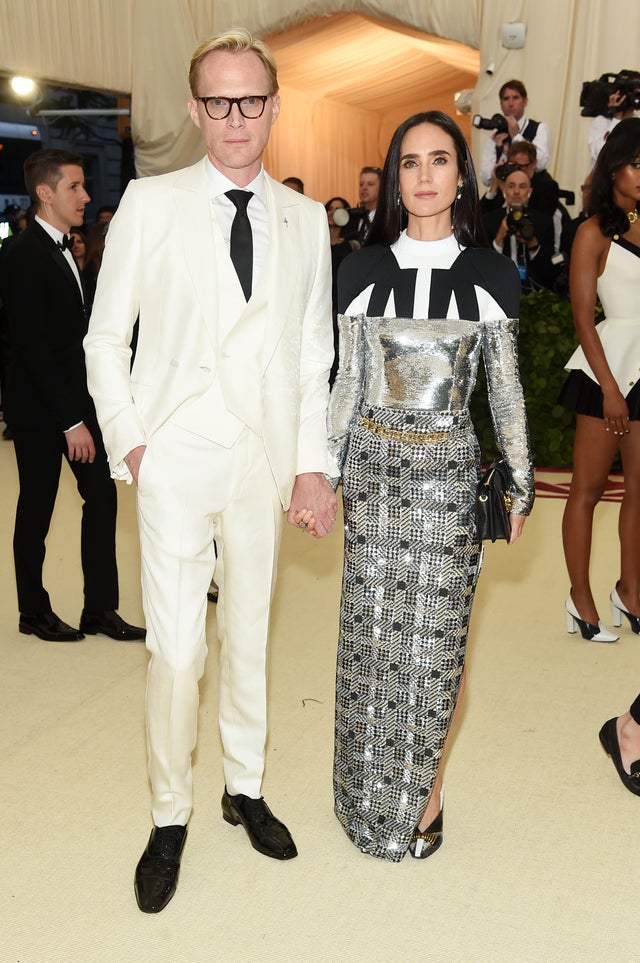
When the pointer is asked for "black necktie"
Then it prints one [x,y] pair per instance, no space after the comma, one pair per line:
[242,240]
[65,242]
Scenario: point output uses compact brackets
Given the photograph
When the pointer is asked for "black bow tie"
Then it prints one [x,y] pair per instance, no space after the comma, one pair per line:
[65,243]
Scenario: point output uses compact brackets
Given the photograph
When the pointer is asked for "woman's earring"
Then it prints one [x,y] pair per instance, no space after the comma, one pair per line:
[399,199]
[459,192]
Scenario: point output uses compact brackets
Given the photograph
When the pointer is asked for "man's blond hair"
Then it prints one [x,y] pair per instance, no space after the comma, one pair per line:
[236,40]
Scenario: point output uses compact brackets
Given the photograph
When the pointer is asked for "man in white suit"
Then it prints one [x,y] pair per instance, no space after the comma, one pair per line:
[220,423]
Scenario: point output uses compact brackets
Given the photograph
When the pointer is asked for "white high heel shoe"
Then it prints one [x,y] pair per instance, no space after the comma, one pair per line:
[618,609]
[590,632]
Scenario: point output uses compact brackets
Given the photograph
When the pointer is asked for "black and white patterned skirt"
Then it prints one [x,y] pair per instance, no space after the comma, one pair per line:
[412,561]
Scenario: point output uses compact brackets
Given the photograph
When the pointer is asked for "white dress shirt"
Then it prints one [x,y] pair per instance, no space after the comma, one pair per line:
[68,256]
[541,142]
[223,209]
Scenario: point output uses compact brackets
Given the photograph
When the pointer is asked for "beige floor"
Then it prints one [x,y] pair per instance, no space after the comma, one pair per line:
[541,844]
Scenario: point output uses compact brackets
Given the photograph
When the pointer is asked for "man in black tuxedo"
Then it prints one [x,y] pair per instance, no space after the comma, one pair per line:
[523,233]
[49,409]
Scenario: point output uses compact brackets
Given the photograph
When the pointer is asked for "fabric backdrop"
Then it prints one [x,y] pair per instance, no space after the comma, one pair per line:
[143,47]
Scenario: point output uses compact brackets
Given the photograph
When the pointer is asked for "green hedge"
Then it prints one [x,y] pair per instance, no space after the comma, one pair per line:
[547,340]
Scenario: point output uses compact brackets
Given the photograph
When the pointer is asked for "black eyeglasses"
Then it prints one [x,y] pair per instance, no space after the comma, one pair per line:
[250,107]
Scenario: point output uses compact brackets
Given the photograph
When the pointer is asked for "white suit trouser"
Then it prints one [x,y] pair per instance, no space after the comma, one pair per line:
[190,491]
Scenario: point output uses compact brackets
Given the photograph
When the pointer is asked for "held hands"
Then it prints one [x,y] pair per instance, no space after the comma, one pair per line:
[80,444]
[313,504]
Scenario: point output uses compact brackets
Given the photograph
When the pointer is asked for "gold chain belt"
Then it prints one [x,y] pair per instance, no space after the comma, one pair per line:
[397,434]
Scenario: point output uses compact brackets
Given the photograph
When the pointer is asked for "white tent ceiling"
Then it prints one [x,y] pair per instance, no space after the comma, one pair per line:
[377,66]
[346,80]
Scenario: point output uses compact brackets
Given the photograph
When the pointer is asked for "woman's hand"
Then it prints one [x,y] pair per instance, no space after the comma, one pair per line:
[517,524]
[615,411]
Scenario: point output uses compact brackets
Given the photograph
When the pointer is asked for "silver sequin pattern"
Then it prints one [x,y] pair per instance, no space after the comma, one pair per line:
[411,555]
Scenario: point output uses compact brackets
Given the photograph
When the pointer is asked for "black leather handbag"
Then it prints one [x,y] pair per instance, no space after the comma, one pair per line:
[493,503]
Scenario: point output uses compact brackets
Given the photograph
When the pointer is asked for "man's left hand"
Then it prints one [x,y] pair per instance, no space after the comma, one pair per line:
[313,493]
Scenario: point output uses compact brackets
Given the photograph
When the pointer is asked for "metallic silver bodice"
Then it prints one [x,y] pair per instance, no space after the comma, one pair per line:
[431,365]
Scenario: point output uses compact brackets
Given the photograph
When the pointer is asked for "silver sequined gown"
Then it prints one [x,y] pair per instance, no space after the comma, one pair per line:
[415,320]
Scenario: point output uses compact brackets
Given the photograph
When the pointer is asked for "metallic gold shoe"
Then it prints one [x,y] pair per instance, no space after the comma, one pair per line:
[425,842]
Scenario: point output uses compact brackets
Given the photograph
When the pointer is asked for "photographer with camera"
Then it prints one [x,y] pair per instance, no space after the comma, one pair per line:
[608,100]
[545,191]
[522,233]
[509,127]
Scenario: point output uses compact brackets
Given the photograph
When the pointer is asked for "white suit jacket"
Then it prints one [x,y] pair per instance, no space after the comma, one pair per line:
[160,263]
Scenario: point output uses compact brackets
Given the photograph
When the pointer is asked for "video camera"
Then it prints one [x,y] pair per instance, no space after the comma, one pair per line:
[594,97]
[497,123]
[519,222]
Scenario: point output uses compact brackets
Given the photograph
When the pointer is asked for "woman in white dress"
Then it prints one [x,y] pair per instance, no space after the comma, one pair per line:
[603,386]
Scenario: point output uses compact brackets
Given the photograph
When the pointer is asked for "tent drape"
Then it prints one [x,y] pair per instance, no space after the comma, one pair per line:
[143,47]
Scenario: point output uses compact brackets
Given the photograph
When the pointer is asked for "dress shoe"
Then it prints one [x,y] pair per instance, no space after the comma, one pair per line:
[609,740]
[157,872]
[590,632]
[109,623]
[49,627]
[618,609]
[425,842]
[266,833]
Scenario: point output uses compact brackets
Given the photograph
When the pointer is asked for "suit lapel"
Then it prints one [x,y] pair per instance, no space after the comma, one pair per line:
[58,259]
[193,216]
[282,264]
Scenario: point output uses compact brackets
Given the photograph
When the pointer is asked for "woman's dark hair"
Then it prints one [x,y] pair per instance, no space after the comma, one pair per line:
[391,217]
[344,203]
[621,147]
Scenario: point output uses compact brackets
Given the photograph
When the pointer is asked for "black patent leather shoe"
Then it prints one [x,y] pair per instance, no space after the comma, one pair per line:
[610,744]
[156,878]
[266,833]
[425,842]
[49,627]
[109,623]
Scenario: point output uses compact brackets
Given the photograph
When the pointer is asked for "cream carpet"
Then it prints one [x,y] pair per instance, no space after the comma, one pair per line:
[541,839]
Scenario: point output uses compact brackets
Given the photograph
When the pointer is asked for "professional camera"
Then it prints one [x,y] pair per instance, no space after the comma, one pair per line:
[342,215]
[497,122]
[594,98]
[506,170]
[519,222]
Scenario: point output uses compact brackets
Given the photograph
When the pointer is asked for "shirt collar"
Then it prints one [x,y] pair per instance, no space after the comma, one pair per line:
[52,231]
[219,184]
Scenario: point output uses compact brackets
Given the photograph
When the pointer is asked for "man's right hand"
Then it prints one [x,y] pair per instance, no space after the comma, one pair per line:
[80,444]
[133,460]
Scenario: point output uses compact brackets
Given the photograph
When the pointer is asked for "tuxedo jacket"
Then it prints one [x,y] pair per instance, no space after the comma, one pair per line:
[46,382]
[540,268]
[545,195]
[166,261]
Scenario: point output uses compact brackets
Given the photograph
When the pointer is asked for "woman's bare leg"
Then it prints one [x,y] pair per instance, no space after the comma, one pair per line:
[433,806]
[593,452]
[629,521]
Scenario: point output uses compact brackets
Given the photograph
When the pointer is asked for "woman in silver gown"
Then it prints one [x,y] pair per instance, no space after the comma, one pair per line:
[419,305]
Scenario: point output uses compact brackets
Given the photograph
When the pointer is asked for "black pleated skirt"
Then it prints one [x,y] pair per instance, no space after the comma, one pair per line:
[582,394]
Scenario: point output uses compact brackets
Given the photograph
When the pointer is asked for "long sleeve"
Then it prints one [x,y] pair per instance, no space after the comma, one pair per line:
[348,388]
[506,403]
